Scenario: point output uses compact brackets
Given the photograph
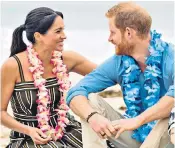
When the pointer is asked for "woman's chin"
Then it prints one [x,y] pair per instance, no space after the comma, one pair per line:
[59,48]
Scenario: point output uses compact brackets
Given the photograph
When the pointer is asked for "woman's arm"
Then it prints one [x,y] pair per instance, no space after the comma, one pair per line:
[8,78]
[77,63]
[9,74]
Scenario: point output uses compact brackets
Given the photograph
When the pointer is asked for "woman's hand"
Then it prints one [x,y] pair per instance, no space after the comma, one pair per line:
[38,136]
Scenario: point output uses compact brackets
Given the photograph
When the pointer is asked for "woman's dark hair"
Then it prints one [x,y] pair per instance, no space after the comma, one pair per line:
[38,20]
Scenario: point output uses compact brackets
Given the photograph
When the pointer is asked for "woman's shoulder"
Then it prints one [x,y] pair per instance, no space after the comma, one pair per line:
[9,69]
[11,64]
[22,55]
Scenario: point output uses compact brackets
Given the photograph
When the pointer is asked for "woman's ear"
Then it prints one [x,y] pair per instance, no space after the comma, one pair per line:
[37,37]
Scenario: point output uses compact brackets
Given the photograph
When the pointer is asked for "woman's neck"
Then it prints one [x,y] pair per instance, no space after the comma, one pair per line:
[45,54]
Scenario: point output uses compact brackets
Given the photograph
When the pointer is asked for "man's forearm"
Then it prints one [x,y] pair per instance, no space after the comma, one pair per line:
[159,111]
[80,106]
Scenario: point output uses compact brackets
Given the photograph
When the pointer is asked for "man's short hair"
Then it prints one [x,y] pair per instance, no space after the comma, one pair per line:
[128,14]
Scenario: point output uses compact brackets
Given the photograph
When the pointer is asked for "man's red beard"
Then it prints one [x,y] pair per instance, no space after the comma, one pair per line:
[125,48]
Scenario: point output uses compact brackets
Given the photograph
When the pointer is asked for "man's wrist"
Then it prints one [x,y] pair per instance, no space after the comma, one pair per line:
[90,115]
[141,120]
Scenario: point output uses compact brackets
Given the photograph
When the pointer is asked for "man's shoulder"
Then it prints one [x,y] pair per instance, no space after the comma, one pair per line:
[169,52]
[168,61]
[111,66]
[113,59]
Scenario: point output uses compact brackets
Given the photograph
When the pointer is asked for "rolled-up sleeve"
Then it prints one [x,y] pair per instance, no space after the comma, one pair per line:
[104,76]
[169,81]
[170,91]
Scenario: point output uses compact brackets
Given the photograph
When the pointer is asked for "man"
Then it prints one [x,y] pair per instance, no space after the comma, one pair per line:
[147,81]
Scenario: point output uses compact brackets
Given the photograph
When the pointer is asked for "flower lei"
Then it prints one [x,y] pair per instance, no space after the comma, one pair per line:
[44,101]
[132,87]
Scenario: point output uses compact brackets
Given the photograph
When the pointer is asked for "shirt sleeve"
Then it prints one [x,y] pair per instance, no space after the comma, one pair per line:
[170,91]
[104,76]
[169,70]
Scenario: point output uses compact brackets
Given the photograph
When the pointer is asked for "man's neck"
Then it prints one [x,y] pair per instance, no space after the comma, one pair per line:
[140,55]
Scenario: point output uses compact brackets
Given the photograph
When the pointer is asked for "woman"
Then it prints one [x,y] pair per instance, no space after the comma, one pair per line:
[34,79]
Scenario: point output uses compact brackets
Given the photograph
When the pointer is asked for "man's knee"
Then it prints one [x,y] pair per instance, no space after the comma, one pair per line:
[158,137]
[94,101]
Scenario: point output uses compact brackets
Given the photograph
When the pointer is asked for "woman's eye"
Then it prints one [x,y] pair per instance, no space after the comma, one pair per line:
[58,31]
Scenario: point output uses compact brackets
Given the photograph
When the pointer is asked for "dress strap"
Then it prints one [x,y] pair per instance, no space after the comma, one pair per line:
[20,68]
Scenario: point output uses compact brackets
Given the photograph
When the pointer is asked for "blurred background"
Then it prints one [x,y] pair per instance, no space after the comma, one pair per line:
[86,28]
[85,23]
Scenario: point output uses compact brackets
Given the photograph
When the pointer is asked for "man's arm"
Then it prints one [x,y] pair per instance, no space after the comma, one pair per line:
[84,109]
[163,108]
[101,78]
[159,111]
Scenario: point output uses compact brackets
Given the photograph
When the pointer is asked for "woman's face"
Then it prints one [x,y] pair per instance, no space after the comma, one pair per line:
[54,38]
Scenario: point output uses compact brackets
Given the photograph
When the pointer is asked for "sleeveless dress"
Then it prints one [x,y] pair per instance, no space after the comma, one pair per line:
[23,103]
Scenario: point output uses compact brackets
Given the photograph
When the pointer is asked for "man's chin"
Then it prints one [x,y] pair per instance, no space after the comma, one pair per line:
[121,53]
[117,52]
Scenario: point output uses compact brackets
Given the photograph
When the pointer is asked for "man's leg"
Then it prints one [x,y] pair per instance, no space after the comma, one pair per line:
[158,137]
[92,140]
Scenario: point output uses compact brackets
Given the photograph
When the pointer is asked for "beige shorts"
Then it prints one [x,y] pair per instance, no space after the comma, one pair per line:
[158,138]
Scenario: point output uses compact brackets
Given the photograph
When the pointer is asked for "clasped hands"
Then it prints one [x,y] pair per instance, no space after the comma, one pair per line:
[105,128]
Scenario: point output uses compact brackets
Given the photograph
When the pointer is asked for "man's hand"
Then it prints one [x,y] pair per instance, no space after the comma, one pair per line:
[102,126]
[126,125]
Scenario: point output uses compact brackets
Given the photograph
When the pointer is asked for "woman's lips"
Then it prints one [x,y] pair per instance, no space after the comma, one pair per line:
[60,44]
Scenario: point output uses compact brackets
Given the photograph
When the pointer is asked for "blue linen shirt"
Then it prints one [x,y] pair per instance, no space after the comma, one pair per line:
[110,73]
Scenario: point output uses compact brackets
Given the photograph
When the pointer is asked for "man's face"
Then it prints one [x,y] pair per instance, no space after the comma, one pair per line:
[125,43]
[115,36]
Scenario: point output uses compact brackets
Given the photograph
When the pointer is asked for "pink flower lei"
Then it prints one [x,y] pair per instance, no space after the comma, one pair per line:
[43,101]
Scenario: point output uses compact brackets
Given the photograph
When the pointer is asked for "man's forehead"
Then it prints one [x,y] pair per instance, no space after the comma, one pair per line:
[112,27]
[112,22]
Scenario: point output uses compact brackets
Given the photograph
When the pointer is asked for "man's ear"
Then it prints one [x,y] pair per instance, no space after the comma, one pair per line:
[128,33]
